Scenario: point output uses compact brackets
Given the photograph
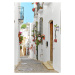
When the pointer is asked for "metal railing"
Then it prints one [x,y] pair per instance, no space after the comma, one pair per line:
[21,13]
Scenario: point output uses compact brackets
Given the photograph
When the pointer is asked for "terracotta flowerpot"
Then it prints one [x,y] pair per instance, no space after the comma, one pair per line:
[43,38]
[55,40]
[41,8]
[36,3]
[33,9]
[18,35]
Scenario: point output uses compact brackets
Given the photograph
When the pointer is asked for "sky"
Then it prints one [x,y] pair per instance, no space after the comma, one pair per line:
[28,13]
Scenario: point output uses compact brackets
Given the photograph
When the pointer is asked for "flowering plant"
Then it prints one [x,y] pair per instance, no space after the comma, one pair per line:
[37,41]
[39,35]
[43,36]
[33,40]
[36,3]
[33,9]
[20,39]
[19,34]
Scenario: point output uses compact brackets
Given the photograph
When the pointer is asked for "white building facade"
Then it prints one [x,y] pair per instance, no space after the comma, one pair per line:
[50,12]
[18,20]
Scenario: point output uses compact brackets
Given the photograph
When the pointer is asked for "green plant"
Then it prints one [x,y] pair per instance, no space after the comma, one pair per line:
[20,39]
[41,7]
[23,26]
[55,25]
[32,30]
[37,41]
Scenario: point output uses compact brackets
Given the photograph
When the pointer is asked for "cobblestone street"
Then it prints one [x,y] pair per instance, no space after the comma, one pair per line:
[32,66]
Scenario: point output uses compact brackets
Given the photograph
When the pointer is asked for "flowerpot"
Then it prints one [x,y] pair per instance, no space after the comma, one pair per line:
[18,35]
[55,40]
[33,9]
[36,3]
[41,8]
[43,38]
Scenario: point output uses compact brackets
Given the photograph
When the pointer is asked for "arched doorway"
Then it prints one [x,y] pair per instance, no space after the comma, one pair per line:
[51,40]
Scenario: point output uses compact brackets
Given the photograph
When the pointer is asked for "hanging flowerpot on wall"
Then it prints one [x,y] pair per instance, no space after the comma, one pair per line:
[20,39]
[56,28]
[33,9]
[19,34]
[41,7]
[36,3]
[55,40]
[43,36]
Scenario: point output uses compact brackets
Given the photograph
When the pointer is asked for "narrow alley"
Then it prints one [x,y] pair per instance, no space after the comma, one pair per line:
[28,65]
[37,37]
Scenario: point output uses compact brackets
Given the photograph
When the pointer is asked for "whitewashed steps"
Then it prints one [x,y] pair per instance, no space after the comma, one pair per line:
[48,65]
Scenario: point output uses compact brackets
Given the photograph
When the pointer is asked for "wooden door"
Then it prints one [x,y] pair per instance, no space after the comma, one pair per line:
[51,41]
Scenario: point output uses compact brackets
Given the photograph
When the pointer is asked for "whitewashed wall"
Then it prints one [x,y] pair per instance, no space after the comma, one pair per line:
[16,39]
[32,55]
[40,47]
[51,12]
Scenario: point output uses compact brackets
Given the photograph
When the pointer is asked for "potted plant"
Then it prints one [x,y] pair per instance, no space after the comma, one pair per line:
[38,41]
[41,7]
[55,40]
[36,3]
[19,34]
[33,9]
[43,36]
[20,39]
[55,27]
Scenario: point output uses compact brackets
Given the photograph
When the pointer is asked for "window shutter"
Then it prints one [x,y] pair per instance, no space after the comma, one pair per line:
[41,27]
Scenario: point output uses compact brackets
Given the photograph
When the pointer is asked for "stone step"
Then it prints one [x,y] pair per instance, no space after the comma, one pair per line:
[48,65]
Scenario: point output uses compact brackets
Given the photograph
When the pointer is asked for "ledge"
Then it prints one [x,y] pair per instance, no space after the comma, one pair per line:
[46,3]
[40,10]
[35,16]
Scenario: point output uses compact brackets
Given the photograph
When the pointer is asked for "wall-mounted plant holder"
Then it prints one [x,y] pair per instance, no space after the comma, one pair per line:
[43,36]
[56,28]
[55,40]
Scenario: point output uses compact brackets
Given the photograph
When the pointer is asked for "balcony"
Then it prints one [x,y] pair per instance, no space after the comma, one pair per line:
[21,14]
[40,7]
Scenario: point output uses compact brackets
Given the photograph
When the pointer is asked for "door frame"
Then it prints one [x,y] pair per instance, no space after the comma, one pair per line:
[50,43]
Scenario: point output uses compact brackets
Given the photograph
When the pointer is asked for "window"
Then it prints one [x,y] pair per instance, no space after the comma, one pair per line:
[41,27]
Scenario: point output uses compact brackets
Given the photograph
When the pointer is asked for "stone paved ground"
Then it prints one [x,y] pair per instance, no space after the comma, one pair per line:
[32,66]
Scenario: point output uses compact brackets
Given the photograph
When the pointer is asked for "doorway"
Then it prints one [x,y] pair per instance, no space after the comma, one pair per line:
[51,41]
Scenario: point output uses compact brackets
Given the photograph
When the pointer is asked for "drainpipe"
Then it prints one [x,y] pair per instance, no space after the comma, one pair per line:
[55,34]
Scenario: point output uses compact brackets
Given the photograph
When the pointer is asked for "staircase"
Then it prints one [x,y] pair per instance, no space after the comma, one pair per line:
[48,65]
